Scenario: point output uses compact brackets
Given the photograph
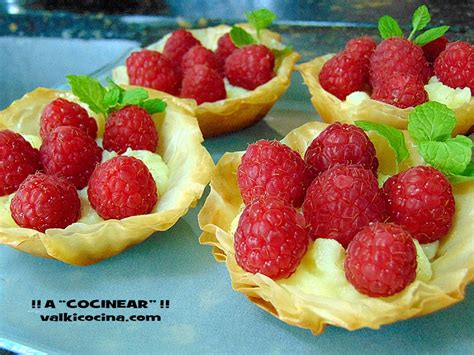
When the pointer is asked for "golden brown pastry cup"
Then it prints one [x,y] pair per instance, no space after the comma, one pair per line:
[452,267]
[82,244]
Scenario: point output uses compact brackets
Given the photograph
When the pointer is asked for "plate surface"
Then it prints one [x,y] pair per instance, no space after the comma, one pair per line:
[205,314]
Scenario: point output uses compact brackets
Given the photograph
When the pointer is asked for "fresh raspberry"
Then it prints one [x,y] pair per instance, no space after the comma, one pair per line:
[343,74]
[45,201]
[421,201]
[18,159]
[152,70]
[361,48]
[272,169]
[61,112]
[200,55]
[203,84]
[69,152]
[454,67]
[401,90]
[341,143]
[122,187]
[341,201]
[434,48]
[178,44]
[381,260]
[270,239]
[397,55]
[250,66]
[130,127]
[225,47]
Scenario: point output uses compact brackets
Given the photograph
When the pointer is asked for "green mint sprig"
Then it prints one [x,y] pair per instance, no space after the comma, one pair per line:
[389,27]
[431,126]
[104,100]
[394,137]
[259,19]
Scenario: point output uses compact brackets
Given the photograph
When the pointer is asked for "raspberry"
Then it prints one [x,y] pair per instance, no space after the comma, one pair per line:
[361,48]
[270,168]
[61,112]
[381,260]
[44,201]
[178,44]
[200,55]
[270,239]
[434,48]
[122,187]
[69,152]
[152,70]
[225,47]
[397,55]
[344,144]
[421,201]
[454,67]
[341,201]
[250,66]
[130,127]
[18,159]
[343,74]
[401,90]
[203,84]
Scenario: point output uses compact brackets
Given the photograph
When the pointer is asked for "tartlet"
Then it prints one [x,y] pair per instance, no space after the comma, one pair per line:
[452,267]
[243,108]
[332,109]
[180,147]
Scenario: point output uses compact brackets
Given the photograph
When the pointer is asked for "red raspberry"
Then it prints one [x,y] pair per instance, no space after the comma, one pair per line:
[421,201]
[272,169]
[152,70]
[397,55]
[344,144]
[225,47]
[203,84]
[18,159]
[381,260]
[341,201]
[130,127]
[250,66]
[122,187]
[401,90]
[69,152]
[200,55]
[178,44]
[361,48]
[434,48]
[343,74]
[455,65]
[61,112]
[271,238]
[45,201]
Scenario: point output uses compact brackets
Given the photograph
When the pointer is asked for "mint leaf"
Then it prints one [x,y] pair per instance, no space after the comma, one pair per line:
[431,121]
[112,97]
[394,137]
[467,175]
[153,106]
[89,91]
[134,96]
[260,19]
[388,27]
[430,35]
[240,37]
[451,156]
[421,18]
